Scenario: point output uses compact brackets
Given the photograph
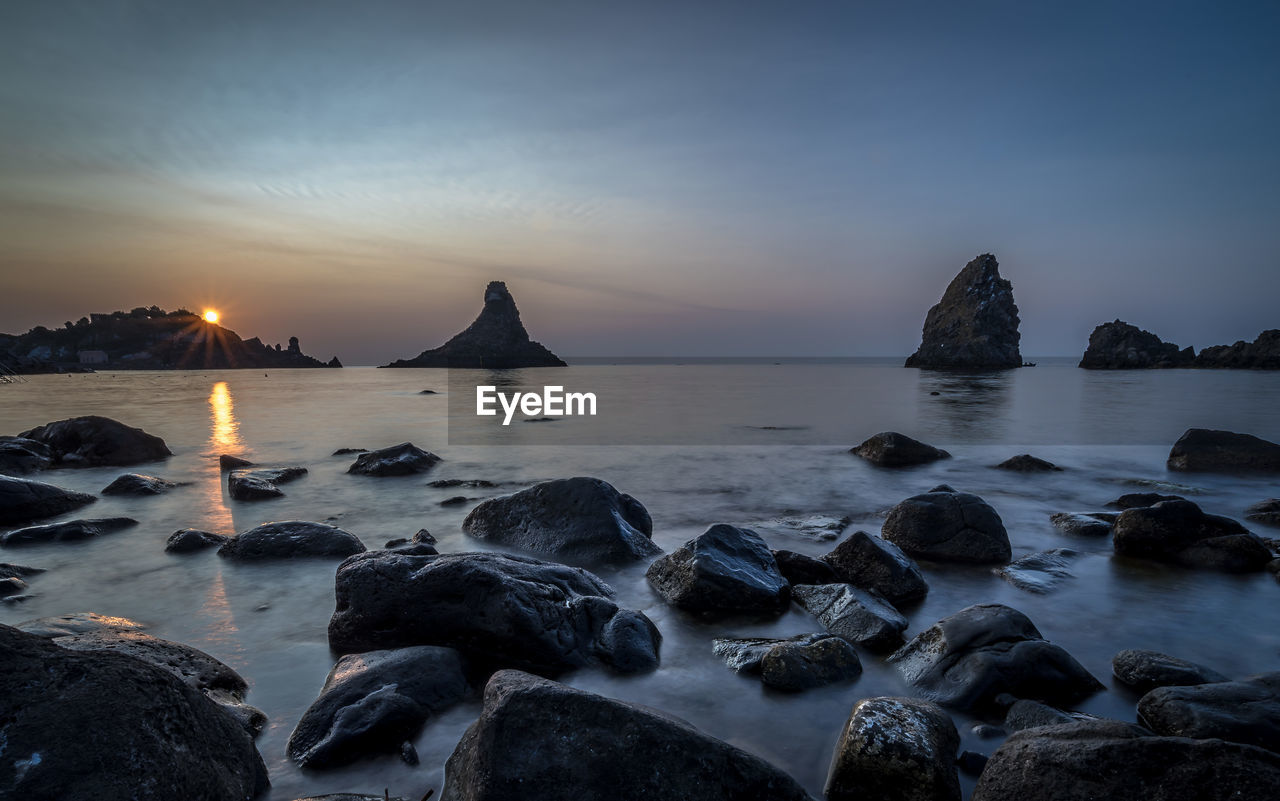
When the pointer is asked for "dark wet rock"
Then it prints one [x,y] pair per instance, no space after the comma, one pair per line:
[78,623]
[1179,532]
[253,485]
[1246,711]
[1083,524]
[23,500]
[423,537]
[428,392]
[1028,714]
[416,548]
[373,703]
[349,451]
[967,659]
[743,654]
[350,797]
[1261,354]
[817,528]
[895,749]
[1026,463]
[469,483]
[409,754]
[975,325]
[228,462]
[891,449]
[12,571]
[500,610]
[1144,671]
[496,340]
[797,568]
[876,564]
[1266,512]
[97,442]
[1137,500]
[138,484]
[20,456]
[189,540]
[12,585]
[971,763]
[1120,346]
[985,731]
[1113,760]
[796,666]
[290,539]
[456,500]
[860,616]
[948,526]
[723,570]
[582,520]
[397,542]
[1208,450]
[398,460]
[70,531]
[1039,572]
[111,727]
[537,740]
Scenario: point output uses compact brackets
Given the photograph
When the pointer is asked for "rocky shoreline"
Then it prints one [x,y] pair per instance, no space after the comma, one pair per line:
[1117,345]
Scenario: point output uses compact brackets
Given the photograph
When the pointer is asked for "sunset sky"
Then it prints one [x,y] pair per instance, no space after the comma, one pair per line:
[648,178]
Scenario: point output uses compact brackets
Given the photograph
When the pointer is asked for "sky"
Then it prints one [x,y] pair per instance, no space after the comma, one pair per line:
[657,178]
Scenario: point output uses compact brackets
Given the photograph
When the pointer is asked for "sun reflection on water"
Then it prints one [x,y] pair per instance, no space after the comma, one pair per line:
[224,437]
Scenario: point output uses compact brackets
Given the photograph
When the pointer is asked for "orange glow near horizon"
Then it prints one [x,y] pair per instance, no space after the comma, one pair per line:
[211,316]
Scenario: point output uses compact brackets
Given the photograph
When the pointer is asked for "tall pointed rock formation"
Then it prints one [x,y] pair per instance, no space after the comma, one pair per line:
[975,325]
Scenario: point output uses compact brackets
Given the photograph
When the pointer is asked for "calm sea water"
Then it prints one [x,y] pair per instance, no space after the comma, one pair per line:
[1111,431]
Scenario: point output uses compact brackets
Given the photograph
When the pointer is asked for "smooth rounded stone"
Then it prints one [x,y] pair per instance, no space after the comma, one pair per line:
[582,520]
[876,564]
[538,740]
[895,749]
[1112,760]
[948,526]
[968,659]
[985,731]
[1266,512]
[78,623]
[1026,463]
[373,703]
[112,727]
[1144,671]
[404,459]
[971,763]
[70,531]
[1028,714]
[1039,572]
[1179,532]
[228,462]
[504,611]
[290,539]
[1246,711]
[253,485]
[1083,524]
[397,542]
[349,451]
[797,568]
[23,500]
[860,616]
[138,484]
[19,456]
[12,585]
[796,666]
[1137,500]
[723,570]
[891,449]
[743,654]
[189,540]
[98,442]
[456,500]
[1209,450]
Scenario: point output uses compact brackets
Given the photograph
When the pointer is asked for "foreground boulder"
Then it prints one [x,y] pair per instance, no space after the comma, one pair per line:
[891,449]
[975,325]
[1246,711]
[23,500]
[374,703]
[1026,463]
[253,485]
[404,459]
[98,442]
[537,740]
[290,539]
[1112,760]
[967,659]
[19,456]
[580,520]
[859,616]
[502,611]
[70,531]
[138,484]
[112,727]
[1120,346]
[1144,671]
[948,526]
[1179,532]
[723,570]
[895,749]
[876,564]
[1205,450]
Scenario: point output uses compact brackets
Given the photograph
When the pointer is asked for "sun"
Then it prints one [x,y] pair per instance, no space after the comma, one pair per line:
[211,316]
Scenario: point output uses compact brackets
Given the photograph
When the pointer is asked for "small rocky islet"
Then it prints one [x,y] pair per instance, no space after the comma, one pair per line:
[419,631]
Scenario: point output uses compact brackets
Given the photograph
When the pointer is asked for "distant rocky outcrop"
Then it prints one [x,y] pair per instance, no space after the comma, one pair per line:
[975,325]
[496,340]
[1261,354]
[1117,345]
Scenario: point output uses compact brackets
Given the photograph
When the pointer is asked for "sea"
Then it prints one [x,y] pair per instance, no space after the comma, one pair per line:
[760,443]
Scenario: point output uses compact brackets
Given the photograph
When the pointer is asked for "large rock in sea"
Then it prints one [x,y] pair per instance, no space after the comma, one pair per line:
[23,500]
[725,569]
[1206,450]
[967,659]
[496,340]
[501,611]
[876,564]
[19,456]
[792,664]
[975,325]
[1179,532]
[1261,354]
[404,459]
[1120,346]
[290,539]
[859,616]
[111,727]
[891,449]
[895,749]
[1143,670]
[97,442]
[253,485]
[1107,759]
[948,526]
[69,531]
[580,520]
[537,740]
[138,484]
[1245,711]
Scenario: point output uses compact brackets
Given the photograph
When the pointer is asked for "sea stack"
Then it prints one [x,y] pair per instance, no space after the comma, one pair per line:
[1117,345]
[496,340]
[975,325]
